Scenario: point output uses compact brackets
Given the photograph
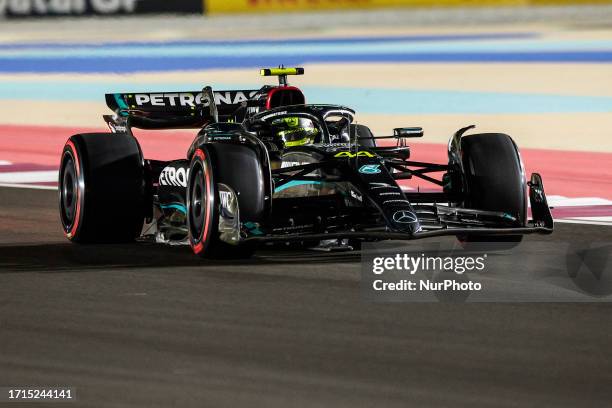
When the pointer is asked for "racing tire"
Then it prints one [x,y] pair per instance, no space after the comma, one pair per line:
[495,181]
[102,194]
[365,132]
[239,169]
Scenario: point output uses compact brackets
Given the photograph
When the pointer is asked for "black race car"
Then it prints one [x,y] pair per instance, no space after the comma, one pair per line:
[265,167]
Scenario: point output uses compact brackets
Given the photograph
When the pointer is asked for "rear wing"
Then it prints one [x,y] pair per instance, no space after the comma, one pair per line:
[193,109]
[156,110]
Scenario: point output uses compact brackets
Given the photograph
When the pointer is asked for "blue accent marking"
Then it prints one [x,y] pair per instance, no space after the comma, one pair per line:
[364,100]
[295,183]
[122,65]
[370,169]
[126,57]
[269,42]
[179,207]
[253,228]
[311,49]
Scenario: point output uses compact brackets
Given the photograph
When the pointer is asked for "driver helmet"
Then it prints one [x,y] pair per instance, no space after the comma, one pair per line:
[295,130]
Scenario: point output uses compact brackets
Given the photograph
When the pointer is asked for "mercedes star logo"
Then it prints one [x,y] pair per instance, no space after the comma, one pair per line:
[404,217]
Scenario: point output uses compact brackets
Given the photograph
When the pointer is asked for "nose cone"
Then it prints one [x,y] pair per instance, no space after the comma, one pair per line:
[404,220]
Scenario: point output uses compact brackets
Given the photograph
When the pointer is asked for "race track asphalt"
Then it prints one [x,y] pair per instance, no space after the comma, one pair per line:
[152,326]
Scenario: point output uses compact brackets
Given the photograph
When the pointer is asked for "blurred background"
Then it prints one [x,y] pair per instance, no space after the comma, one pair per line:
[538,70]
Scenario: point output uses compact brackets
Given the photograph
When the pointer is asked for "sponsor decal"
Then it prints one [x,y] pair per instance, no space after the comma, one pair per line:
[42,7]
[404,217]
[370,169]
[376,186]
[224,197]
[356,195]
[22,8]
[272,115]
[396,201]
[188,99]
[358,154]
[293,228]
[389,193]
[333,147]
[285,164]
[173,176]
[115,128]
[267,6]
[215,137]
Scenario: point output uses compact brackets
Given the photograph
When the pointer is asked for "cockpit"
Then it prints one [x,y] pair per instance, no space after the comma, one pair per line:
[299,125]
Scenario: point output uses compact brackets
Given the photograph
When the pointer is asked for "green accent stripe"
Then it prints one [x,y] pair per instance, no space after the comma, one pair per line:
[179,207]
[121,103]
[295,183]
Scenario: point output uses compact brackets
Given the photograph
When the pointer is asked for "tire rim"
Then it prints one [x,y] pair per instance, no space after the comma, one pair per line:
[199,200]
[69,191]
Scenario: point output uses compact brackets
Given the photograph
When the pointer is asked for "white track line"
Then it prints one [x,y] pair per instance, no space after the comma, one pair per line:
[28,186]
[560,201]
[591,221]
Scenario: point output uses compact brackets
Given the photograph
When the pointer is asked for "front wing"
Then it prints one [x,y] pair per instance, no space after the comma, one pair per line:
[439,220]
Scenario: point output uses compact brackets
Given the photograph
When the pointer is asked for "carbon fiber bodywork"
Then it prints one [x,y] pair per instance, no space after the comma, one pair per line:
[342,186]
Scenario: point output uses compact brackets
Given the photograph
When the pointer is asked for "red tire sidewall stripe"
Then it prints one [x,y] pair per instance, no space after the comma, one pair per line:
[199,247]
[75,224]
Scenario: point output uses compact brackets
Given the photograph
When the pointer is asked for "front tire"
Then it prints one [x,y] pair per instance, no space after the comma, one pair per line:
[237,167]
[495,181]
[202,197]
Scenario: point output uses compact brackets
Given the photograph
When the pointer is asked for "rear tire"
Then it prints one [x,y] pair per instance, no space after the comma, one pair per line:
[495,181]
[101,188]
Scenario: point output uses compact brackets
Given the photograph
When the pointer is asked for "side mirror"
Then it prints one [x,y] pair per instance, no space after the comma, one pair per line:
[408,132]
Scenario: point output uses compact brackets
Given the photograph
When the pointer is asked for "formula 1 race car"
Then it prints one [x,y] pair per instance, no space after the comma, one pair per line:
[265,167]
